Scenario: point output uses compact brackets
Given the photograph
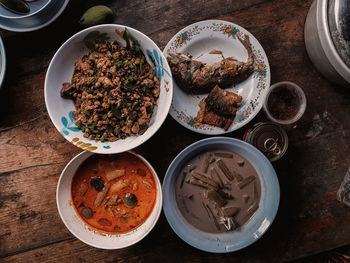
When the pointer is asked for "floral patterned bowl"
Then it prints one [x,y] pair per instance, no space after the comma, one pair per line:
[61,69]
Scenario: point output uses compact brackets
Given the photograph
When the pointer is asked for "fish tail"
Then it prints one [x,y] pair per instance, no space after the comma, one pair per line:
[246,43]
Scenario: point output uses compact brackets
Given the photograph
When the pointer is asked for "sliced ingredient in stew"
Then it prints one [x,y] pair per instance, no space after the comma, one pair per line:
[218,191]
[284,103]
[110,194]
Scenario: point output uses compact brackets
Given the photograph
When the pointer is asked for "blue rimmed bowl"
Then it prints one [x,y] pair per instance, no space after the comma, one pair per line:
[61,70]
[248,233]
[35,8]
[48,12]
[2,62]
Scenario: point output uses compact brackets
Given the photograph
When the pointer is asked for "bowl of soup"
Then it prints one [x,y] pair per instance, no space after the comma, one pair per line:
[220,194]
[109,201]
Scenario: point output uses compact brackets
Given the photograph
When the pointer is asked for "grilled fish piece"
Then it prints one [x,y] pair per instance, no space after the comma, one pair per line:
[222,102]
[218,108]
[196,77]
[204,115]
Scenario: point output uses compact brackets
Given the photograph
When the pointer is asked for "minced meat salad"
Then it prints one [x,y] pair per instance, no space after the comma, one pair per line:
[114,91]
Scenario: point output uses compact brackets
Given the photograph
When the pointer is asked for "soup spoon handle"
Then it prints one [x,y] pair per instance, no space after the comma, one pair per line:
[16,6]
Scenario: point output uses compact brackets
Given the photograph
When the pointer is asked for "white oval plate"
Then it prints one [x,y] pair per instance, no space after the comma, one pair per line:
[198,40]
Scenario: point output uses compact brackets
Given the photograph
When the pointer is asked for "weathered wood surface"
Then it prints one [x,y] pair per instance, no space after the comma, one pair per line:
[33,153]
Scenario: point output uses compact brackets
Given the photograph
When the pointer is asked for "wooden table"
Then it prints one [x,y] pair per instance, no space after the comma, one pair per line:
[33,153]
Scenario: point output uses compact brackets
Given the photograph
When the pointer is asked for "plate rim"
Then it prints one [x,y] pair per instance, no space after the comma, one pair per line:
[220,131]
[214,246]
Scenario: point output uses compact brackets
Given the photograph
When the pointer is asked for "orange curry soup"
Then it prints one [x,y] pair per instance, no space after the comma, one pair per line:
[114,193]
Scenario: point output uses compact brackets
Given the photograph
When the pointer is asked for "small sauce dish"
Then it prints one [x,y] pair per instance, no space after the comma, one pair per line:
[285,103]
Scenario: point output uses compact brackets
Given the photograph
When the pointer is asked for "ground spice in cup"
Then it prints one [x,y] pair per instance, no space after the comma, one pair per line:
[283,103]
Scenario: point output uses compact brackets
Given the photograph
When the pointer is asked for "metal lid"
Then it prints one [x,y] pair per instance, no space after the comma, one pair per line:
[339,27]
[271,139]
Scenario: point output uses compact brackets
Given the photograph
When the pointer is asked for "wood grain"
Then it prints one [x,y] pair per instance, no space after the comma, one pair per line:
[34,143]
[28,206]
[33,153]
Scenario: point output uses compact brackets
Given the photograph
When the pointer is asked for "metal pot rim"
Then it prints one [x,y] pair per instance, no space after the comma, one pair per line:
[327,42]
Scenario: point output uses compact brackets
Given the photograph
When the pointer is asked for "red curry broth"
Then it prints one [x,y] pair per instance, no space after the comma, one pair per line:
[113,215]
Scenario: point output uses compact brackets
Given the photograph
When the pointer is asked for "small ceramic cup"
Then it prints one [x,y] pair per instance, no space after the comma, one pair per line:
[285,103]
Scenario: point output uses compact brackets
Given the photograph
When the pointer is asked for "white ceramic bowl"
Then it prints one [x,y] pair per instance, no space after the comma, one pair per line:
[2,62]
[254,228]
[80,230]
[49,12]
[61,69]
[35,8]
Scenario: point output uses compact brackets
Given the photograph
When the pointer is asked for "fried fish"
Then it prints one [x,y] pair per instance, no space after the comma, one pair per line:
[218,108]
[196,77]
[207,116]
[222,102]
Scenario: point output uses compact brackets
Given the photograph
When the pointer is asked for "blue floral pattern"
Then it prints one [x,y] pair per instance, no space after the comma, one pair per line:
[68,125]
[158,63]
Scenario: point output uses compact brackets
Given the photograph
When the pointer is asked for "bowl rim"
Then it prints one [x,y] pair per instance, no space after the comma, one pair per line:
[169,86]
[3,62]
[301,110]
[45,18]
[154,210]
[172,212]
[30,14]
[327,42]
